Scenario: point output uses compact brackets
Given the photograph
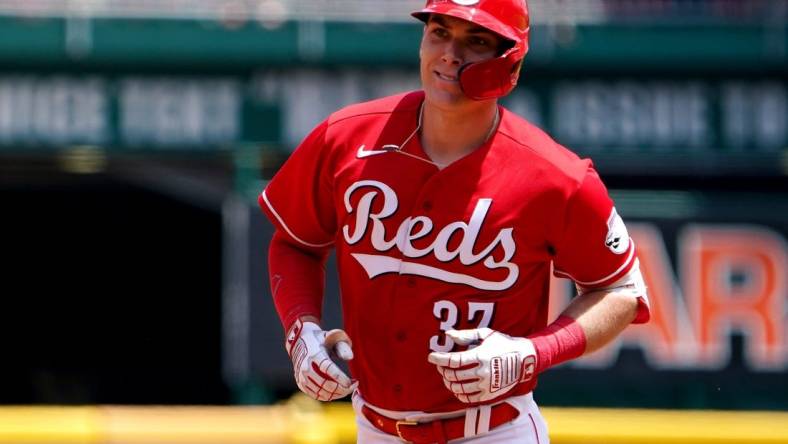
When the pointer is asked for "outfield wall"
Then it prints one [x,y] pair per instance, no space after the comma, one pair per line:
[304,421]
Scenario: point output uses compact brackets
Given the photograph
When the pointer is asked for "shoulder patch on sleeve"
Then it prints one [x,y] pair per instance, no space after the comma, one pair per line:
[617,239]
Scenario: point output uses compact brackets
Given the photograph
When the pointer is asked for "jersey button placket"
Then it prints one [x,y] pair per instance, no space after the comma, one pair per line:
[426,206]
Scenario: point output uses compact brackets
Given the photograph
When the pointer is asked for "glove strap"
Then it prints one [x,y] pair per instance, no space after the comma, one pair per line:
[293,333]
[527,368]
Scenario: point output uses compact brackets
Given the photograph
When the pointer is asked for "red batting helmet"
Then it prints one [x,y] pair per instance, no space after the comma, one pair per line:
[509,19]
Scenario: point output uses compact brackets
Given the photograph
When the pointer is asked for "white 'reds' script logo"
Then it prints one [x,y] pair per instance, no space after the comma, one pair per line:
[413,228]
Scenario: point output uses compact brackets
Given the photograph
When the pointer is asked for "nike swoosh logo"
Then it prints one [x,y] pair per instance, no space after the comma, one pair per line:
[362,153]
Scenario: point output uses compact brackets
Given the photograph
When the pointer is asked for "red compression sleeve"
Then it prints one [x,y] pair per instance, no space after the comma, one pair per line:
[297,279]
[559,342]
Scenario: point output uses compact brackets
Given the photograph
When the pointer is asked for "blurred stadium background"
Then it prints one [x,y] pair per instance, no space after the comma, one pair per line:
[135,136]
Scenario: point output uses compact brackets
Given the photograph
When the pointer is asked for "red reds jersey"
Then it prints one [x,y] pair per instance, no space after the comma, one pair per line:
[421,250]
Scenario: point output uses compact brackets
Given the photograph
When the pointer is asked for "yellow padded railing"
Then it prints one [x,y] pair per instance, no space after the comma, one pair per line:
[302,421]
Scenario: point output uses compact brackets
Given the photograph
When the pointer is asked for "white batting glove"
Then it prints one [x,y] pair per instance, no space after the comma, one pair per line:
[496,365]
[311,349]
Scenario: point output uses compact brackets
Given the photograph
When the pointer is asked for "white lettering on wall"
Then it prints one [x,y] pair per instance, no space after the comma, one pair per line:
[169,111]
[755,115]
[629,114]
[53,110]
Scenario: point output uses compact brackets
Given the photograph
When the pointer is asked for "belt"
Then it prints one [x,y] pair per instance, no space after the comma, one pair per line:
[438,430]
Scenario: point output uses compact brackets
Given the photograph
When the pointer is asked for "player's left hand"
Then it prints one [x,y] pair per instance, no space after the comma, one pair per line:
[495,365]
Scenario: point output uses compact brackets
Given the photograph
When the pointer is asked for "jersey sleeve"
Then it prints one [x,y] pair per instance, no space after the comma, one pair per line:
[594,248]
[298,200]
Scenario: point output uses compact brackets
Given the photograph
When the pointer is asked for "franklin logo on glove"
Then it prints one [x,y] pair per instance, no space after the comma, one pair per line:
[486,371]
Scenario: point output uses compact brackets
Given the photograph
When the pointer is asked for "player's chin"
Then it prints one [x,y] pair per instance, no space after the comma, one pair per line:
[445,97]
[447,87]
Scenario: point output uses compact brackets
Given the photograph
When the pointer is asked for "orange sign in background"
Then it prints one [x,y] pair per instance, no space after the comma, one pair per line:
[728,279]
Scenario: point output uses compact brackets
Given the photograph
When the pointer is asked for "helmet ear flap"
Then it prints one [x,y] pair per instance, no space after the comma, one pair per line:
[490,79]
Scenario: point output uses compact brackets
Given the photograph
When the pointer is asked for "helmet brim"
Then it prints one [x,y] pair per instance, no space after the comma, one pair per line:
[473,15]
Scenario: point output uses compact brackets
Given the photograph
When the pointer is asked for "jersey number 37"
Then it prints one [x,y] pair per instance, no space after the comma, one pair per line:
[448,314]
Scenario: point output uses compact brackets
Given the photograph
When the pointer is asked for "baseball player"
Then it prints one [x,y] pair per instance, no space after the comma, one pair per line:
[447,213]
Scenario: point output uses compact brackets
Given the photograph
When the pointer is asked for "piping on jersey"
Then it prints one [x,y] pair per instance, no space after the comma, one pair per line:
[289,231]
[618,270]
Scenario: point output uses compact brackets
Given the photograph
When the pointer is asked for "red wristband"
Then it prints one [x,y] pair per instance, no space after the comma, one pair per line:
[559,342]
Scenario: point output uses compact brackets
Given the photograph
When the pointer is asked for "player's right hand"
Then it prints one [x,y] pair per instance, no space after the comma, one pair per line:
[311,350]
